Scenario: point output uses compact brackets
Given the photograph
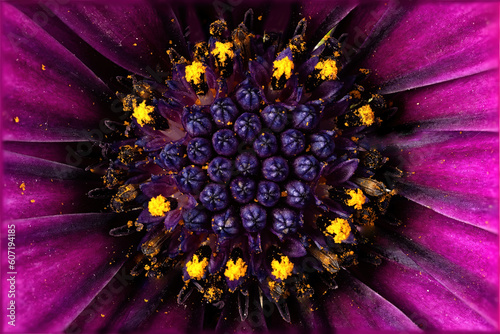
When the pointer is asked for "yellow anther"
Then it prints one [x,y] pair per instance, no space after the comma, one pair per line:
[340,228]
[235,270]
[195,72]
[142,113]
[327,69]
[158,205]
[223,51]
[283,67]
[196,268]
[366,115]
[357,198]
[283,268]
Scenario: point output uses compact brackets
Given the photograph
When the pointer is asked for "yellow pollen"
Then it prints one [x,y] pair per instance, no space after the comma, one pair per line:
[327,69]
[142,113]
[195,72]
[196,268]
[23,186]
[357,198]
[283,67]
[16,119]
[223,51]
[158,205]
[235,271]
[43,67]
[282,269]
[366,115]
[340,228]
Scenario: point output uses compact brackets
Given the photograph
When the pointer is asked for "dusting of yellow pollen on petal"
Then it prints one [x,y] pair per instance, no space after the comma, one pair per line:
[357,198]
[340,228]
[196,268]
[195,72]
[223,51]
[235,271]
[282,269]
[282,67]
[16,119]
[366,114]
[158,205]
[142,113]
[327,69]
[23,186]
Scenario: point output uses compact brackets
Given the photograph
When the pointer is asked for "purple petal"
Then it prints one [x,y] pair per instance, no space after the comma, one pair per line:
[447,41]
[356,306]
[465,104]
[62,263]
[49,94]
[132,36]
[37,187]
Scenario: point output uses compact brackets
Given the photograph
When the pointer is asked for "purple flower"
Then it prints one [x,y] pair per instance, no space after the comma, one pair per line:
[268,166]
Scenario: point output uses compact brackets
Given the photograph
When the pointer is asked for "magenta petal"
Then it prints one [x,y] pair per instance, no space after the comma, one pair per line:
[465,104]
[455,174]
[356,306]
[62,263]
[436,42]
[41,101]
[419,295]
[132,36]
[37,187]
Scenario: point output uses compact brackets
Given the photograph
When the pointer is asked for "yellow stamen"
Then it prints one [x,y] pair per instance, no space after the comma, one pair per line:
[142,113]
[196,268]
[223,51]
[340,228]
[235,271]
[366,115]
[282,269]
[357,198]
[158,205]
[327,69]
[195,72]
[282,67]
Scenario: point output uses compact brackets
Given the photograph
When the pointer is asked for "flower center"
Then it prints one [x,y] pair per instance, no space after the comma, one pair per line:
[252,160]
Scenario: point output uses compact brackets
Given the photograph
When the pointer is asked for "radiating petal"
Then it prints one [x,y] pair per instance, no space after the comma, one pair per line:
[436,42]
[38,187]
[355,306]
[130,35]
[62,263]
[466,104]
[49,95]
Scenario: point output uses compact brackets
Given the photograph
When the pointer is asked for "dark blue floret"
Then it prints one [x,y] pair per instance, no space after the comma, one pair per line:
[253,217]
[226,224]
[265,145]
[248,97]
[225,142]
[173,156]
[247,127]
[306,167]
[243,189]
[268,193]
[285,221]
[293,142]
[214,197]
[196,122]
[322,145]
[247,164]
[223,111]
[274,117]
[298,194]
[305,117]
[220,170]
[196,219]
[191,179]
[275,169]
[199,150]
